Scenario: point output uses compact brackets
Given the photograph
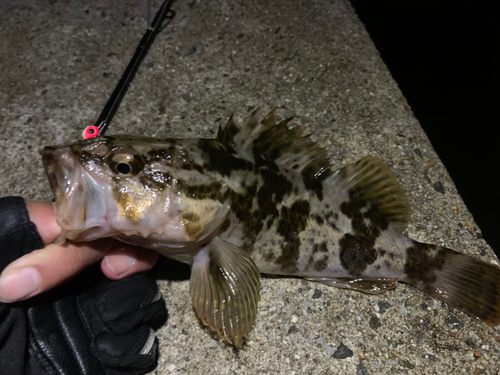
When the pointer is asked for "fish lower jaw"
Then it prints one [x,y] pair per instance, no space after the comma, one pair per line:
[163,232]
[88,234]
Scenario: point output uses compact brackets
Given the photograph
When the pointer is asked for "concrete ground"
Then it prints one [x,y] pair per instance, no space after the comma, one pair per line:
[60,61]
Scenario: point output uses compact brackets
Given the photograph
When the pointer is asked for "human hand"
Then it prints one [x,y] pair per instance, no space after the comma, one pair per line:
[43,269]
[88,325]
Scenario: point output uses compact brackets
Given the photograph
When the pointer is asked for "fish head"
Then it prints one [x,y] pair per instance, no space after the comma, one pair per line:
[143,191]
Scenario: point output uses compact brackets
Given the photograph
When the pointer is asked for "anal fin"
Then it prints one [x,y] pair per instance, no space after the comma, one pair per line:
[365,285]
[225,290]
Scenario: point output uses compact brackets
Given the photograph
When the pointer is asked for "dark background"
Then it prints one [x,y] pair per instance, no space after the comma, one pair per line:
[445,58]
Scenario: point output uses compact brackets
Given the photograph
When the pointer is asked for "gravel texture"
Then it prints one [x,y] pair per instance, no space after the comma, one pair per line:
[60,62]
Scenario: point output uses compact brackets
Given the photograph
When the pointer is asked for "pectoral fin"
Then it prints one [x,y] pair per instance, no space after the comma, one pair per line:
[225,290]
[366,285]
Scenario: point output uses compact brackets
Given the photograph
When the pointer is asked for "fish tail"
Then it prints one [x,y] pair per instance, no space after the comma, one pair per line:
[462,281]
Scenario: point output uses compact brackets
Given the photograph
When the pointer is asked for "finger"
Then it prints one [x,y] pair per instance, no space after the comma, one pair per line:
[123,260]
[43,215]
[43,269]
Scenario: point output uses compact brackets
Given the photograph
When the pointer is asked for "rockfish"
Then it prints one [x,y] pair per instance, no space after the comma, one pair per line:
[259,198]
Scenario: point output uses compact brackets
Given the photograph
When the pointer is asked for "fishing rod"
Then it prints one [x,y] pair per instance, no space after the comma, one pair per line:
[116,97]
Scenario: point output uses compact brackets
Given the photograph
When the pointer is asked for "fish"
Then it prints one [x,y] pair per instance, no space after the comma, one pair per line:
[260,198]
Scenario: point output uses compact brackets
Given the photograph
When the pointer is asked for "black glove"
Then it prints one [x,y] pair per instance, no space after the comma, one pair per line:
[90,325]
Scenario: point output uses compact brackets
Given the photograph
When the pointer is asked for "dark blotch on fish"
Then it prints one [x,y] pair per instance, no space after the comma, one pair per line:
[317,218]
[314,182]
[321,264]
[221,158]
[357,250]
[274,189]
[356,253]
[204,191]
[269,257]
[331,219]
[156,180]
[241,206]
[161,154]
[276,186]
[292,221]
[322,248]
[421,265]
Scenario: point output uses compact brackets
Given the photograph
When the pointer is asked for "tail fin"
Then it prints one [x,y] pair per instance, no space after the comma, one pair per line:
[464,282]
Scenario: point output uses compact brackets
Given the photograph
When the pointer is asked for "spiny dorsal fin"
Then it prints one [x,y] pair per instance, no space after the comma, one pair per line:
[371,181]
[227,134]
[271,141]
[249,130]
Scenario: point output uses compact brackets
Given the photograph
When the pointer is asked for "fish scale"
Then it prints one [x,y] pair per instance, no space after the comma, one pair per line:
[260,198]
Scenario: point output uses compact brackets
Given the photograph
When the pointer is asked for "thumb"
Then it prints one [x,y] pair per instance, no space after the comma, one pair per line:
[41,270]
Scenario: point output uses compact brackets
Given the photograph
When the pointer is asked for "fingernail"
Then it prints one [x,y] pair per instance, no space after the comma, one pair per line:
[19,284]
[120,263]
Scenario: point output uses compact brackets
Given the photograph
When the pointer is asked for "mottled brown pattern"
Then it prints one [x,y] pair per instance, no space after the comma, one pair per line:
[321,264]
[313,180]
[356,253]
[160,154]
[464,282]
[221,158]
[156,180]
[192,225]
[421,262]
[292,221]
[321,247]
[357,250]
[331,219]
[212,190]
[274,181]
[317,218]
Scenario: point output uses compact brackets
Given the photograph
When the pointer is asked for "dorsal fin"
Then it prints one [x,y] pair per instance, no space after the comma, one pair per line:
[249,130]
[370,180]
[271,141]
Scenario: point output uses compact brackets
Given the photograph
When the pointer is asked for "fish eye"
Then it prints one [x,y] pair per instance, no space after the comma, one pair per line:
[125,162]
[123,168]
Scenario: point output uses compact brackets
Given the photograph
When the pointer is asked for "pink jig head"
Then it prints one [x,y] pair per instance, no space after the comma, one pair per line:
[90,132]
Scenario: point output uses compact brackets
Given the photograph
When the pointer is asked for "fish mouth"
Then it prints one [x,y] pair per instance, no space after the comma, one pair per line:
[60,167]
[79,202]
[65,178]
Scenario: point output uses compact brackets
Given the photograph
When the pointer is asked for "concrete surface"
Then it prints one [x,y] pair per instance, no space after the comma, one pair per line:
[59,62]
